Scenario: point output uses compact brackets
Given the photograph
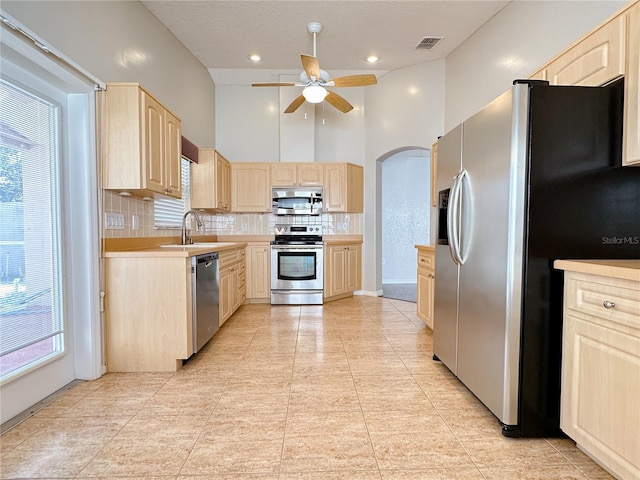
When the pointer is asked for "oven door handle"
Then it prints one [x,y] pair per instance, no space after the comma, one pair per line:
[298,248]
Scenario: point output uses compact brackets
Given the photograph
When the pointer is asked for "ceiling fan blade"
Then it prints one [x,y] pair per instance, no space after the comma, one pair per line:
[353,81]
[273,84]
[311,66]
[338,102]
[293,106]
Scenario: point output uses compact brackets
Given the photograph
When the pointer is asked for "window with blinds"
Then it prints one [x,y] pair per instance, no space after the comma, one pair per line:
[31,320]
[168,212]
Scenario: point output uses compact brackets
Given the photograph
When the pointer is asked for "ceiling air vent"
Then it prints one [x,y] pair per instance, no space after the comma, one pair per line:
[428,43]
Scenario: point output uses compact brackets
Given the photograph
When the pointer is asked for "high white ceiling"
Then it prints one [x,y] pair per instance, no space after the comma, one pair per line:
[222,34]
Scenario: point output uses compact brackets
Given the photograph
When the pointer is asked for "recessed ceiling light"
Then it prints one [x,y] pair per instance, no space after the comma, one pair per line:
[255,57]
[372,59]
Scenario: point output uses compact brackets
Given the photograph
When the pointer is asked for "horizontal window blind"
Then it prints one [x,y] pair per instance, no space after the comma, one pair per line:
[31,322]
[168,212]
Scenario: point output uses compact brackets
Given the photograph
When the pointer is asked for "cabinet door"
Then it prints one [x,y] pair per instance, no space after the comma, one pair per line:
[250,188]
[601,392]
[337,270]
[154,144]
[173,156]
[354,268]
[235,288]
[226,295]
[283,174]
[202,180]
[631,133]
[425,296]
[597,59]
[223,183]
[335,186]
[310,174]
[258,271]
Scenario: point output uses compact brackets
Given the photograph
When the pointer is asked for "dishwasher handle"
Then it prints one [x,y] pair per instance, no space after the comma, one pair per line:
[207,259]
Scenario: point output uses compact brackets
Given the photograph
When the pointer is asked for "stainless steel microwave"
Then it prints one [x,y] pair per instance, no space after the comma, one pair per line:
[297,201]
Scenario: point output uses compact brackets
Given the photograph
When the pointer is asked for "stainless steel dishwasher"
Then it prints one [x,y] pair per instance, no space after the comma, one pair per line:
[206,298]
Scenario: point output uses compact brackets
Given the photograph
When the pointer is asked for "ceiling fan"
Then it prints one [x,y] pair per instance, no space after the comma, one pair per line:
[314,80]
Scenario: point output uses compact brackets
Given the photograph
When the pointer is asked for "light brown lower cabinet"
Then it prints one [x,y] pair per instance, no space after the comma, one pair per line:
[426,286]
[259,272]
[342,270]
[600,401]
[232,282]
[148,322]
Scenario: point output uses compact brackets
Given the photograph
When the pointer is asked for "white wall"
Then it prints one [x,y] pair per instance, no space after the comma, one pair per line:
[518,40]
[123,42]
[405,110]
[251,125]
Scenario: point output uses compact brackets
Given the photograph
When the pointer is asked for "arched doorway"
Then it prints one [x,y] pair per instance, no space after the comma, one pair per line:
[404,217]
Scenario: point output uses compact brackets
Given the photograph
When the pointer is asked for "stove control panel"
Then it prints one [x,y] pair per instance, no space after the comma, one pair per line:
[298,230]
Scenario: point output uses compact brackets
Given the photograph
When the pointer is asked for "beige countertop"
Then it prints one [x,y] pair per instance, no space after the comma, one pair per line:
[625,269]
[426,248]
[176,251]
[342,239]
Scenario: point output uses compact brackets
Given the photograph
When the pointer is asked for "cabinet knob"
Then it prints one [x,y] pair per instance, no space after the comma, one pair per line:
[608,304]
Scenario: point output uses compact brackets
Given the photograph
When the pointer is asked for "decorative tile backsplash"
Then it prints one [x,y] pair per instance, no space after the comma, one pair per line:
[220,224]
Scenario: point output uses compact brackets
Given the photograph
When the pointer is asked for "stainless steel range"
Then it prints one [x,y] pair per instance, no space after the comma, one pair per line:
[297,264]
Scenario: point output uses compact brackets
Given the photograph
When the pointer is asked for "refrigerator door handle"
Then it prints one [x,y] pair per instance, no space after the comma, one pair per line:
[453,219]
[463,215]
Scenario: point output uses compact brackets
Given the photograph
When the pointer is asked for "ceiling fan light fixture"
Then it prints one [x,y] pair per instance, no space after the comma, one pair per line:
[314,93]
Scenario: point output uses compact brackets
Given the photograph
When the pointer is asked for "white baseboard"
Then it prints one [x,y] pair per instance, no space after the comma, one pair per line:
[368,293]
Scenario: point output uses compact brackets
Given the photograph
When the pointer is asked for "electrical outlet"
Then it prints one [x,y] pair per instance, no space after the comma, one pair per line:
[114,221]
[243,227]
[135,222]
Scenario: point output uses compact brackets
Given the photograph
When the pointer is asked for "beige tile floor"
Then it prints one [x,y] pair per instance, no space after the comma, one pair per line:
[347,390]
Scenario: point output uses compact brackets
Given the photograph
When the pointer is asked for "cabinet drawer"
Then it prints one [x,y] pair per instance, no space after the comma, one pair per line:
[231,257]
[615,303]
[425,260]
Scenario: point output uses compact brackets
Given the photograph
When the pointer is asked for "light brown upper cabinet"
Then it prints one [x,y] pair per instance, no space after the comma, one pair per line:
[595,60]
[609,52]
[211,181]
[631,131]
[141,143]
[250,187]
[297,174]
[343,188]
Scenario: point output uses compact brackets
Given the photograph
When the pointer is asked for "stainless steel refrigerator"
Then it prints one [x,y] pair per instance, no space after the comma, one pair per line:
[534,176]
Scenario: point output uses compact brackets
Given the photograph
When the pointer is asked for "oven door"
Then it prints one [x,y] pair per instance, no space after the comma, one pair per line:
[296,267]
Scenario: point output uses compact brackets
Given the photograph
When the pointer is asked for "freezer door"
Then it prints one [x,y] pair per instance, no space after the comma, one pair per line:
[490,231]
[445,321]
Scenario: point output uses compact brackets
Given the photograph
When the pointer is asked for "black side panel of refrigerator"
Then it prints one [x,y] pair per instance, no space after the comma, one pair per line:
[581,204]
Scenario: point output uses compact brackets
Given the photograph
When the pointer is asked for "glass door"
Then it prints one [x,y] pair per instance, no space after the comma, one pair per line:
[31,313]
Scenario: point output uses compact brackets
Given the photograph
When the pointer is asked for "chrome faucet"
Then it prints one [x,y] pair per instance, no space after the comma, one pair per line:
[186,240]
